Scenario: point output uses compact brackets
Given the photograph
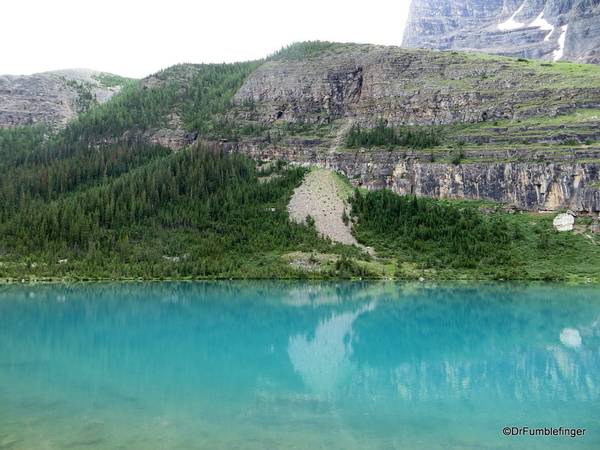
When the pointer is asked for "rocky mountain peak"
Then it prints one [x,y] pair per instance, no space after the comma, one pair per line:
[55,97]
[550,30]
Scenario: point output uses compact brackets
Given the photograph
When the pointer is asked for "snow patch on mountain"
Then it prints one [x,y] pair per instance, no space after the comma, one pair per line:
[543,25]
[561,43]
[510,24]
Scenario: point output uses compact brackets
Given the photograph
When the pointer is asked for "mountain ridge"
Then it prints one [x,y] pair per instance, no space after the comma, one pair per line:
[55,97]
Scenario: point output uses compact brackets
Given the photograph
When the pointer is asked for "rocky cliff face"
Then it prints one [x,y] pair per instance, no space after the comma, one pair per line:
[410,87]
[27,100]
[541,186]
[509,103]
[526,184]
[550,30]
[54,98]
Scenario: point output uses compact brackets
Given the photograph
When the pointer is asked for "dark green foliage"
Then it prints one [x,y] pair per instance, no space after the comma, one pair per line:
[44,176]
[301,50]
[110,206]
[46,165]
[130,209]
[571,142]
[430,232]
[86,98]
[384,136]
[293,128]
[345,218]
[457,240]
[16,144]
[110,80]
[458,158]
[347,268]
[197,213]
[198,94]
[208,95]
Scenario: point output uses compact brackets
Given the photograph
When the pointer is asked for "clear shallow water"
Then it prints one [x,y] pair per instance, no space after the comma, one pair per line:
[269,365]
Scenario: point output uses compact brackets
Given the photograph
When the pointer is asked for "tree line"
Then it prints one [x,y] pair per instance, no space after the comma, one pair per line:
[386,136]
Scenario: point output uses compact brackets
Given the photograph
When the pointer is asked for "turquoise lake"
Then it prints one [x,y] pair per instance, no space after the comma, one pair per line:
[298,365]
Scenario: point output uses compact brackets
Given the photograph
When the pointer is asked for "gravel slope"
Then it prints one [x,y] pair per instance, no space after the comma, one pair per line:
[322,196]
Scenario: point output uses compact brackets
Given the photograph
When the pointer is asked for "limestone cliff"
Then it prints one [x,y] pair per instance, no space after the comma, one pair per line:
[527,184]
[411,87]
[551,30]
[519,113]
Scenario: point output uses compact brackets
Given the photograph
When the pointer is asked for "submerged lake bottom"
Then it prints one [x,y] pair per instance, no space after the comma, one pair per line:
[299,365]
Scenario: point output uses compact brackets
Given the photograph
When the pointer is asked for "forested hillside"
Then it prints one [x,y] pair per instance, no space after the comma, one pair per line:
[197,213]
[465,239]
[78,205]
[97,200]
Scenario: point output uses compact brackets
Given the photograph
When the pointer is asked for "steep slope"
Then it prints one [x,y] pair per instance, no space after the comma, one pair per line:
[365,84]
[95,201]
[510,130]
[324,199]
[550,30]
[514,130]
[54,98]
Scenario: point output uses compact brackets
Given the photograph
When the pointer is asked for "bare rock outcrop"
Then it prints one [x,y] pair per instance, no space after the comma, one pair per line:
[564,221]
[27,100]
[53,98]
[362,84]
[530,185]
[408,87]
[550,30]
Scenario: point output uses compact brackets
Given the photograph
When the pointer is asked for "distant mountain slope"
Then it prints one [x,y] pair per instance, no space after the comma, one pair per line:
[54,98]
[550,30]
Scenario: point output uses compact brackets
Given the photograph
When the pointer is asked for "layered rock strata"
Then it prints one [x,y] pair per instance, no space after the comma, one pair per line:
[410,87]
[366,84]
[551,30]
[27,100]
[537,186]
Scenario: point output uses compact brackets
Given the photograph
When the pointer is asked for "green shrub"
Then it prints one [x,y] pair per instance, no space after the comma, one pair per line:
[458,158]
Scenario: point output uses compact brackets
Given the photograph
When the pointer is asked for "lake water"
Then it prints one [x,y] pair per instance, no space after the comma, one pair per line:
[293,365]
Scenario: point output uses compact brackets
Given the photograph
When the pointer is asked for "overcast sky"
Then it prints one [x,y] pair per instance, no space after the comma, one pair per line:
[136,38]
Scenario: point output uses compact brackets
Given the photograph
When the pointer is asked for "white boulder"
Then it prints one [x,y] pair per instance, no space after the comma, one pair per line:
[570,337]
[564,222]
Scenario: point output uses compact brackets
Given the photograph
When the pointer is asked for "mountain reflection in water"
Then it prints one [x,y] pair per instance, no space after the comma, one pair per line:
[323,361]
[297,365]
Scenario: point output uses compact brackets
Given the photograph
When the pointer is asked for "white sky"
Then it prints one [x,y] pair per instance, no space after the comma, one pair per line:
[136,38]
